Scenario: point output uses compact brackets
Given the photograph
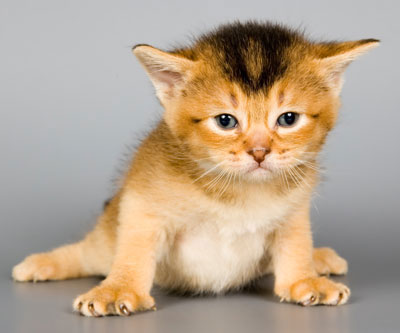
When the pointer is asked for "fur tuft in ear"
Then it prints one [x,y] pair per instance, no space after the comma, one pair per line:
[168,72]
[334,58]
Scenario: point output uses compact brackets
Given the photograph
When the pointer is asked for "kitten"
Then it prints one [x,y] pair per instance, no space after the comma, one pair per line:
[219,193]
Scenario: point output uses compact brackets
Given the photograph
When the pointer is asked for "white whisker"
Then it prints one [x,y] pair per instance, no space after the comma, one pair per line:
[302,175]
[208,171]
[212,183]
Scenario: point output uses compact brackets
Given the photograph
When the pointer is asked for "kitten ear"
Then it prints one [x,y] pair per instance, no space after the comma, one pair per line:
[333,58]
[168,72]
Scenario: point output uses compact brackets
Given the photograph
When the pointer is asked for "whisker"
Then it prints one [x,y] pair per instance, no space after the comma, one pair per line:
[284,178]
[208,171]
[212,183]
[226,184]
[229,181]
[309,164]
[303,178]
[294,177]
[223,184]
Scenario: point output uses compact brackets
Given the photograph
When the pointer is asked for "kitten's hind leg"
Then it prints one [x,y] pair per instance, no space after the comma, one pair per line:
[327,261]
[61,263]
[91,256]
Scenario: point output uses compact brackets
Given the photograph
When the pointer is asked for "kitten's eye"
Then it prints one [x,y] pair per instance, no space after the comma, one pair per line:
[288,119]
[226,121]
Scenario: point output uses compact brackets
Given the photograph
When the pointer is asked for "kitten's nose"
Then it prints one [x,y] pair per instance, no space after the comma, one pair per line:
[259,154]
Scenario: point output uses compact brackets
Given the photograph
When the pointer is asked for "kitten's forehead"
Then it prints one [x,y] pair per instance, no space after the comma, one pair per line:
[252,55]
[257,107]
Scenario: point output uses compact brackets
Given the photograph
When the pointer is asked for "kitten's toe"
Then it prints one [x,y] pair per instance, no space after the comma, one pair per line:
[109,299]
[314,291]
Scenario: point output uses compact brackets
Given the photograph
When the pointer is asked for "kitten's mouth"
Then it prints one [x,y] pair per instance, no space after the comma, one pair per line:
[259,172]
[259,168]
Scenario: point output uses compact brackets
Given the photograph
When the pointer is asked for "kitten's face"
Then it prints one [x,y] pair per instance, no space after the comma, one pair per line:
[251,100]
[255,136]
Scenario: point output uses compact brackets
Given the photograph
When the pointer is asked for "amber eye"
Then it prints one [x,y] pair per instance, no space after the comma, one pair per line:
[288,119]
[226,121]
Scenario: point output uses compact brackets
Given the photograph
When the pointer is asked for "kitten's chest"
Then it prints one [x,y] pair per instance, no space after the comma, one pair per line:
[252,214]
[222,246]
[231,233]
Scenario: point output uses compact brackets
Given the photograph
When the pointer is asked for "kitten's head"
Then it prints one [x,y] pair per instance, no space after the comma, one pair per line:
[251,99]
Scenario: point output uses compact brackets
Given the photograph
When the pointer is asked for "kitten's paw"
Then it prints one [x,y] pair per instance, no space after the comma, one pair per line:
[313,291]
[327,261]
[36,267]
[109,299]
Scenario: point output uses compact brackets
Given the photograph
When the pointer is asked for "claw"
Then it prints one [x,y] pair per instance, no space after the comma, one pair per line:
[340,298]
[124,310]
[310,301]
[153,308]
[92,310]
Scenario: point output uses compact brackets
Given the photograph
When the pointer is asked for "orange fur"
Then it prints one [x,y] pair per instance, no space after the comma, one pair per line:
[207,209]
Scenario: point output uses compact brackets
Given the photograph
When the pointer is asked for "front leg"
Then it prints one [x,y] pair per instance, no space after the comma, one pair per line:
[127,288]
[296,279]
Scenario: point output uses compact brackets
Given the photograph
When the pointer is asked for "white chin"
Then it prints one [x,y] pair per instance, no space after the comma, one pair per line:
[259,174]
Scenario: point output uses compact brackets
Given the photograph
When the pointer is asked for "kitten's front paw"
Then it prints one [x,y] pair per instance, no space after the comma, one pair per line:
[110,299]
[313,291]
[36,267]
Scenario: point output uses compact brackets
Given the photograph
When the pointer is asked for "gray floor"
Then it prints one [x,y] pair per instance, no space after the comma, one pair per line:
[374,306]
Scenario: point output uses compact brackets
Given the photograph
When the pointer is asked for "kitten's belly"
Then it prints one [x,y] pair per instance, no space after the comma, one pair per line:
[206,260]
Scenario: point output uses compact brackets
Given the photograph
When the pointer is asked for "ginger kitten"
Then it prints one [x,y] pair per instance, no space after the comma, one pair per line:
[219,193]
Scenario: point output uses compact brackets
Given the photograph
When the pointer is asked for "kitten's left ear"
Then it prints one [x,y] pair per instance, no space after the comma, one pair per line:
[168,72]
[333,58]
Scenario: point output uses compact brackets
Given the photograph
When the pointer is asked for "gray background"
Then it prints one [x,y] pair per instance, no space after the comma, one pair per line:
[72,97]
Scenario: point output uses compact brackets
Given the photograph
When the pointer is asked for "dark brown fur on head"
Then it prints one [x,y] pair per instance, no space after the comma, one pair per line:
[257,54]
[254,55]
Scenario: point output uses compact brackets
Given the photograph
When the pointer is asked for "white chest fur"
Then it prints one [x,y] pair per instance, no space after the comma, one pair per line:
[221,246]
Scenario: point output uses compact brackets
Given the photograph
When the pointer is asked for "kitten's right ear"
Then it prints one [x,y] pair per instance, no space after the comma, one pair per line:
[168,72]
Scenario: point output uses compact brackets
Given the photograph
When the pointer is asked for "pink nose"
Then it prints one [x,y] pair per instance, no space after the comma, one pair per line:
[259,154]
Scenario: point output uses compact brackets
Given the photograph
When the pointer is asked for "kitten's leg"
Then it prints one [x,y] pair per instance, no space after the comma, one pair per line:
[296,279]
[127,288]
[91,256]
[327,261]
